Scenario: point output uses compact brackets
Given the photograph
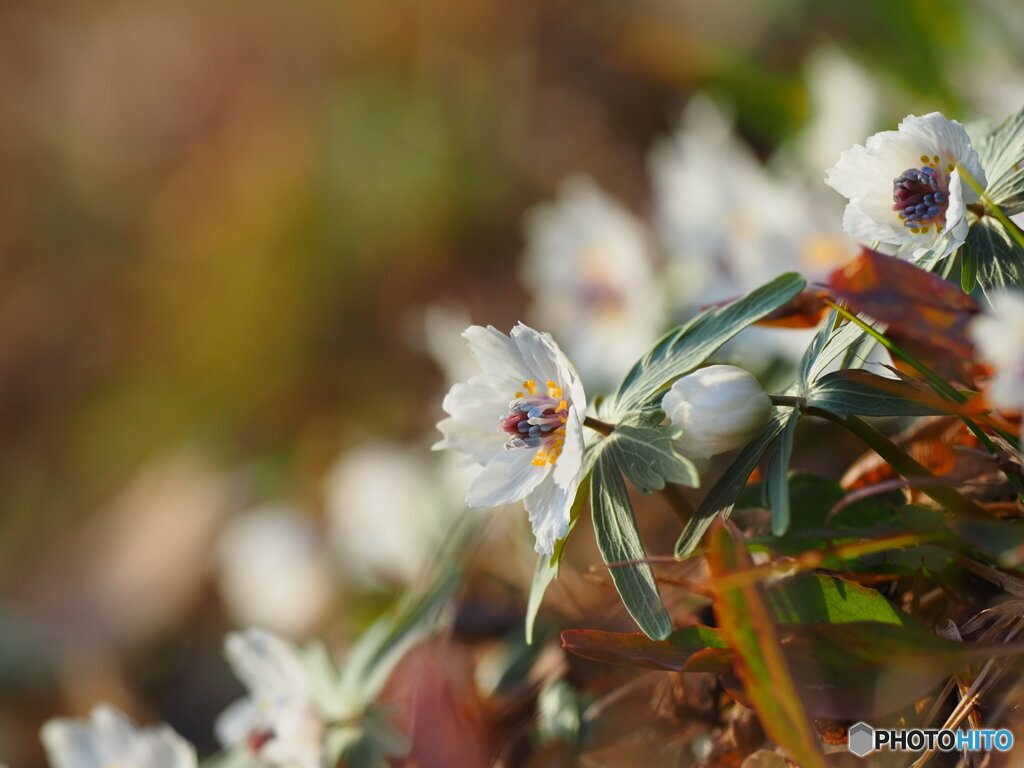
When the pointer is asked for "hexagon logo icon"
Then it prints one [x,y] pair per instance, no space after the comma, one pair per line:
[860,739]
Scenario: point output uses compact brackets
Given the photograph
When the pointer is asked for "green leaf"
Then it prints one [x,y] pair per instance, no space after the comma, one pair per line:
[860,670]
[687,347]
[1002,155]
[723,494]
[810,598]
[672,654]
[372,742]
[548,566]
[815,348]
[1001,540]
[619,542]
[746,624]
[999,257]
[859,393]
[849,341]
[968,269]
[373,656]
[648,457]
[777,475]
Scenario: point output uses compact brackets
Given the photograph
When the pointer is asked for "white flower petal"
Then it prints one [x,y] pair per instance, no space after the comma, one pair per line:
[549,507]
[235,724]
[860,224]
[268,666]
[476,407]
[109,738]
[998,334]
[494,351]
[950,140]
[538,352]
[506,478]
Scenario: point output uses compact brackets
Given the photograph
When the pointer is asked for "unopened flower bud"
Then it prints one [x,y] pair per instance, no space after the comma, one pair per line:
[719,408]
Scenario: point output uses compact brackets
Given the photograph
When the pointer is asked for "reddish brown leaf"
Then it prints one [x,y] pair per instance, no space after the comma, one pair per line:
[699,644]
[767,675]
[914,304]
[805,310]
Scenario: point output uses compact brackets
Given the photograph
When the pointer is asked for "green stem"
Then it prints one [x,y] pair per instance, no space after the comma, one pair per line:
[598,426]
[948,497]
[681,508]
[936,382]
[788,401]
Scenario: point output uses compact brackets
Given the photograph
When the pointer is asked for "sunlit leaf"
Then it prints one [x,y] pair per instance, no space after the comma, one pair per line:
[685,348]
[647,456]
[999,257]
[812,598]
[1002,156]
[860,393]
[619,542]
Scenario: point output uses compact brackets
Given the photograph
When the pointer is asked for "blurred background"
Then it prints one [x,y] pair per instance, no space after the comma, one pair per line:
[238,242]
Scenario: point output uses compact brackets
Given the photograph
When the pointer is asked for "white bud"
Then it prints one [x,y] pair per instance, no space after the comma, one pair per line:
[719,408]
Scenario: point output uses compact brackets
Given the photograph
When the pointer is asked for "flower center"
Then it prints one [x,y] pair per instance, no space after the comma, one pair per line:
[536,419]
[921,195]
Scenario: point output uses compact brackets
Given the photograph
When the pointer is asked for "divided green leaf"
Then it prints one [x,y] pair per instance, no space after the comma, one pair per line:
[859,393]
[999,257]
[723,494]
[687,347]
[619,542]
[1002,156]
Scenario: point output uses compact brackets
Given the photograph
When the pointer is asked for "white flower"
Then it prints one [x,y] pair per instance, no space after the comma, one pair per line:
[719,408]
[999,336]
[844,106]
[109,738]
[729,226]
[279,722]
[906,188]
[388,509]
[522,421]
[588,266]
[274,571]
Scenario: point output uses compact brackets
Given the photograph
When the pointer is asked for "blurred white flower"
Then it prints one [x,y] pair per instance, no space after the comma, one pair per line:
[522,421]
[729,226]
[719,408]
[844,105]
[388,506]
[278,723]
[727,223]
[441,326]
[108,738]
[905,187]
[274,571]
[588,266]
[999,336]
